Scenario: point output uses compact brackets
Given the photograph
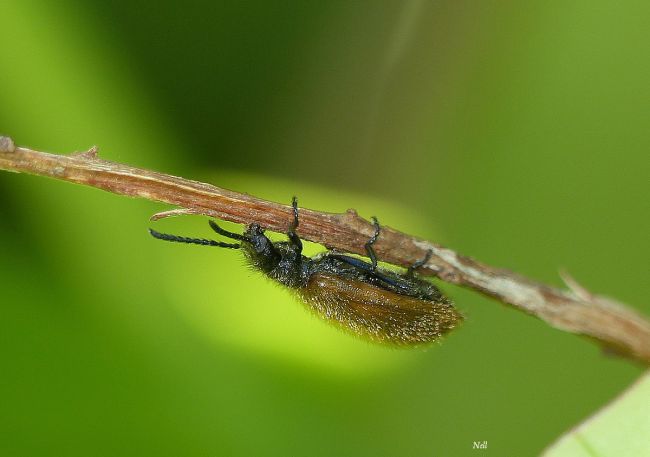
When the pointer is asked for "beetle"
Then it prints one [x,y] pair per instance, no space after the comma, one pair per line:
[360,297]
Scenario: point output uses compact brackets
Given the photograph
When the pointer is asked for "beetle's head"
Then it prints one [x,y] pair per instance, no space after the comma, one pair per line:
[259,249]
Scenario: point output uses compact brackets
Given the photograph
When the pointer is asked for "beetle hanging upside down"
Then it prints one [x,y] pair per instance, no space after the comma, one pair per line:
[359,297]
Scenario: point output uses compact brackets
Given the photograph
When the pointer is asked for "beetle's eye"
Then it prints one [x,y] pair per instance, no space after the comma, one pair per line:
[254,230]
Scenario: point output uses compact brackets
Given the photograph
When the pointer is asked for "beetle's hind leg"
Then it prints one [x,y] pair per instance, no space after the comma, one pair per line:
[373,239]
[411,270]
[294,239]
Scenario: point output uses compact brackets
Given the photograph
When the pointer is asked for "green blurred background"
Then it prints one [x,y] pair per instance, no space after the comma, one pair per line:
[514,132]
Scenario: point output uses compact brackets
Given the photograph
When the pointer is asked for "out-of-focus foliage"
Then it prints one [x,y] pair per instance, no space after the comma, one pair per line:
[619,429]
[515,132]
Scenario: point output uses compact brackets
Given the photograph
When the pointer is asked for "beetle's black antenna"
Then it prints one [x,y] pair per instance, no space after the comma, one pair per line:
[226,233]
[201,241]
[418,264]
[371,241]
[293,236]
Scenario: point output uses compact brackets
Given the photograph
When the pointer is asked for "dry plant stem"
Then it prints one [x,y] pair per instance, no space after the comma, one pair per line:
[575,310]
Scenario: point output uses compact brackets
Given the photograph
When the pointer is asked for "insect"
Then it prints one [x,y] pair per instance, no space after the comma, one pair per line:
[362,298]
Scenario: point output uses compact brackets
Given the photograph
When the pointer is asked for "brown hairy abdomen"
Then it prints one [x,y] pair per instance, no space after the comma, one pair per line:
[376,313]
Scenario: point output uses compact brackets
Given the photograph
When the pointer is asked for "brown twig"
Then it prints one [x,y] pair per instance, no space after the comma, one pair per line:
[575,310]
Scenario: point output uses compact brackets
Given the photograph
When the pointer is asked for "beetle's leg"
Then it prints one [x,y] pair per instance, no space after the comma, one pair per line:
[294,239]
[369,249]
[418,264]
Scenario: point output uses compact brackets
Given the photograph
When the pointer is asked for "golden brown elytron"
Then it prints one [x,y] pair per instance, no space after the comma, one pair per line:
[359,297]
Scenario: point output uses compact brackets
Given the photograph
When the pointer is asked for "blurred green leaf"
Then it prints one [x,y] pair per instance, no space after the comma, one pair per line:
[621,428]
